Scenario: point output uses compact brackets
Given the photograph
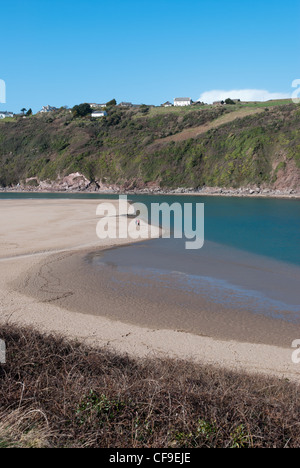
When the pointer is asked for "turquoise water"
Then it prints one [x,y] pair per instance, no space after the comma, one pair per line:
[267,227]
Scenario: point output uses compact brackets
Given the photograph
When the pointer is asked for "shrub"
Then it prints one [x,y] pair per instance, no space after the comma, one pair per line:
[82,110]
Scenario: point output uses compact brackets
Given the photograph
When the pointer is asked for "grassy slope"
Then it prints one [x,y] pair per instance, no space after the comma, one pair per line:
[217,146]
[57,393]
[194,132]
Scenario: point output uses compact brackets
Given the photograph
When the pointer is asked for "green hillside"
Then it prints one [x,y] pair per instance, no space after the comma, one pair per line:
[230,146]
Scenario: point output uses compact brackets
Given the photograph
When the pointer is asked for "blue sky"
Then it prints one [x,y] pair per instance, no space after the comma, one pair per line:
[63,52]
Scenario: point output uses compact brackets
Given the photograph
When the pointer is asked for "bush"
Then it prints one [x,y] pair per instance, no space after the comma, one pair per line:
[82,110]
[58,393]
[229,101]
[111,103]
[144,109]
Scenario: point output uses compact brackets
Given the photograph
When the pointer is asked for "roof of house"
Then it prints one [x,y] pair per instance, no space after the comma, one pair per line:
[182,99]
[48,108]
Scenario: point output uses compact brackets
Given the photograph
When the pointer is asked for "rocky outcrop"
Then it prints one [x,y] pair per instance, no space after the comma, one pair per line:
[77,182]
[73,182]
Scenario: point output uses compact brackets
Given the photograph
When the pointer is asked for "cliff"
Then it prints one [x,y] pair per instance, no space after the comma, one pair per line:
[245,145]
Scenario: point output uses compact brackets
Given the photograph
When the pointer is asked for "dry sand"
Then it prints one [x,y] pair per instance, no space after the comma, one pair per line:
[32,231]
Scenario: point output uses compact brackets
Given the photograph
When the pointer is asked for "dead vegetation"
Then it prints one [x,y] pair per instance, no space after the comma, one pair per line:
[57,393]
[196,131]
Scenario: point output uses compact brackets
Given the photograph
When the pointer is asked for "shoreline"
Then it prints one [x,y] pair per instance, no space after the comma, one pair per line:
[288,194]
[26,248]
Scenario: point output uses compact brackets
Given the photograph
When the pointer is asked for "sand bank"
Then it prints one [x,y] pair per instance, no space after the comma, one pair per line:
[34,233]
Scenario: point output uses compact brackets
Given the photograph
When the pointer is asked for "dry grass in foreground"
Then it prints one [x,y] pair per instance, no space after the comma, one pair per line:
[57,393]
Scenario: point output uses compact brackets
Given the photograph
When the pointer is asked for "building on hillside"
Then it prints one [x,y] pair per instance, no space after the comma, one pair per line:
[46,109]
[96,114]
[181,102]
[5,115]
[218,103]
[125,104]
[167,104]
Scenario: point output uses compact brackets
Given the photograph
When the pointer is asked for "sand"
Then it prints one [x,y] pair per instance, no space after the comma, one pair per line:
[34,233]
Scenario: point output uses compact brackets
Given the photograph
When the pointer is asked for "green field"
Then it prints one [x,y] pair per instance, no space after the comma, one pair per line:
[279,102]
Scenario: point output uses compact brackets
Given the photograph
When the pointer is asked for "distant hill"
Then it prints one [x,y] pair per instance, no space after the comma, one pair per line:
[230,146]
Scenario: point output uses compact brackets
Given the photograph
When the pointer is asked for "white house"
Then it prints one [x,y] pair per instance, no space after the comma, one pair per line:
[46,109]
[167,104]
[97,114]
[180,102]
[125,104]
[5,115]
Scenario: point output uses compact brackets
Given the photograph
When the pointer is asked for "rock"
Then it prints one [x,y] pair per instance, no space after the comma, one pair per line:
[75,181]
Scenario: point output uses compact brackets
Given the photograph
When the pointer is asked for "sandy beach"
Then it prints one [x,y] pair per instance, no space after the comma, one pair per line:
[35,234]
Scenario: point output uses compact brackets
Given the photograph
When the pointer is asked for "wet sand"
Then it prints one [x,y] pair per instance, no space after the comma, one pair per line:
[92,283]
[46,281]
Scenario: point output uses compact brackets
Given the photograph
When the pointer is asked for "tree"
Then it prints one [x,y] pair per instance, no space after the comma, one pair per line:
[82,110]
[229,101]
[29,113]
[111,103]
[23,110]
